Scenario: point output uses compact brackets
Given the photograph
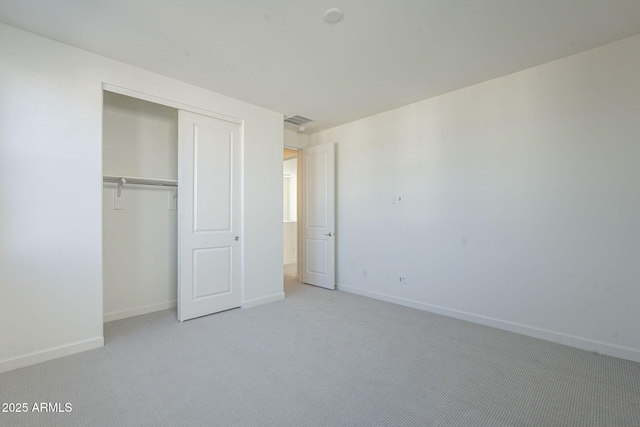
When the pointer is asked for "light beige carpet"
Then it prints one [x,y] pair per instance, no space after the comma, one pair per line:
[325,358]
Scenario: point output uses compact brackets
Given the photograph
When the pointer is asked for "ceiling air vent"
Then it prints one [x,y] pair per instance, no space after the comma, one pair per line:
[298,120]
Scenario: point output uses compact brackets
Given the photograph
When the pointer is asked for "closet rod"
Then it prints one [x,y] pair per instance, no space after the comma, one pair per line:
[139,181]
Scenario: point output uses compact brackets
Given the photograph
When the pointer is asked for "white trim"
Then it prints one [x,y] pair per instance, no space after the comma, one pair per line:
[137,311]
[169,103]
[264,300]
[290,261]
[557,337]
[50,354]
[291,147]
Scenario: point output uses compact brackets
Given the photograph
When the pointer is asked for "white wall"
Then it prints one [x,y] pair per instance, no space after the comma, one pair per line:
[51,188]
[140,138]
[293,139]
[139,241]
[521,202]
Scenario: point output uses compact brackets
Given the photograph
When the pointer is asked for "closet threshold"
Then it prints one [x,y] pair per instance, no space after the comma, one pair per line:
[140,181]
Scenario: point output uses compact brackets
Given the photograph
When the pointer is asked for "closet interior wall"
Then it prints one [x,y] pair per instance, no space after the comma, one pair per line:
[140,139]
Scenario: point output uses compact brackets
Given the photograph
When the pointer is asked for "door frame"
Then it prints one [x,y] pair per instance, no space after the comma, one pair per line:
[302,211]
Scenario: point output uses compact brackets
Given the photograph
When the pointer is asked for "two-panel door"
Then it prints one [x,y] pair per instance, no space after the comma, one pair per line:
[318,218]
[209,175]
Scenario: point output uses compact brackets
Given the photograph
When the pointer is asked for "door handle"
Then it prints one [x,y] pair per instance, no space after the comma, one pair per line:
[329,234]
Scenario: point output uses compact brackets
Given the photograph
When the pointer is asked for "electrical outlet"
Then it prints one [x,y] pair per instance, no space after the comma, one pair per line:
[396,198]
[402,280]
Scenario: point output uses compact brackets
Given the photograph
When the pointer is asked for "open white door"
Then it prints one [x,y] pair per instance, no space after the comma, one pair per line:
[209,267]
[318,217]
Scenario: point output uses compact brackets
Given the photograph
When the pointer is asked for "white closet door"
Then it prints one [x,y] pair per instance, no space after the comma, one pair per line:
[209,224]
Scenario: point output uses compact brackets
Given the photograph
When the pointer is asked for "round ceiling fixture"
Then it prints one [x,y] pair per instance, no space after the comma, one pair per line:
[333,15]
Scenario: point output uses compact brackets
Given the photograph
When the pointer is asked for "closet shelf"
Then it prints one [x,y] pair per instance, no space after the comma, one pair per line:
[140,181]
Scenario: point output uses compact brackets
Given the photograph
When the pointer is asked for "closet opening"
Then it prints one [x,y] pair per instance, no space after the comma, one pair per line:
[139,214]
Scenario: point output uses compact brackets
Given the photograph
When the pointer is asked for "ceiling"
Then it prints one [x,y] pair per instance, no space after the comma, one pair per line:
[283,56]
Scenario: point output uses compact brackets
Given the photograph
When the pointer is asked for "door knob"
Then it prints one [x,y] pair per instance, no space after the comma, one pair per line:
[329,234]
[237,238]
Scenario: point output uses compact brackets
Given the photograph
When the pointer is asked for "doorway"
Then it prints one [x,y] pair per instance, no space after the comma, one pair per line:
[314,217]
[291,211]
[139,218]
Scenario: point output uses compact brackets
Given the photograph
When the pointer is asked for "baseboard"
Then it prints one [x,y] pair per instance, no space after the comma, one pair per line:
[290,261]
[264,300]
[137,311]
[50,354]
[557,337]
